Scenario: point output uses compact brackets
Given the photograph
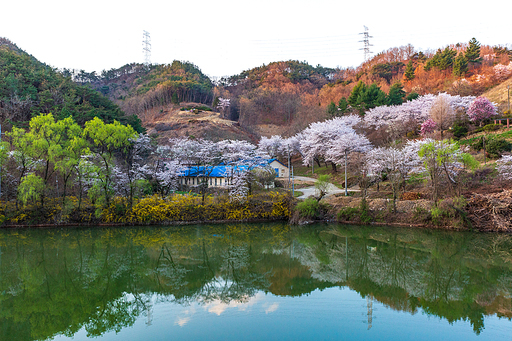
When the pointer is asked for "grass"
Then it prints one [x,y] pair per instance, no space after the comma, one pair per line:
[298,194]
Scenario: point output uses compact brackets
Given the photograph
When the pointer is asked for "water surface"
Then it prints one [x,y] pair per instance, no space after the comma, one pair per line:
[253,282]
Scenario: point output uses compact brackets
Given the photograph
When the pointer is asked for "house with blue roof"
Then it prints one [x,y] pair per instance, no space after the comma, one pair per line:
[221,175]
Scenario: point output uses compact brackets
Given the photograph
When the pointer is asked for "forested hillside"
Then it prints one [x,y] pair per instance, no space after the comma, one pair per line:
[294,94]
[29,87]
[278,98]
[137,88]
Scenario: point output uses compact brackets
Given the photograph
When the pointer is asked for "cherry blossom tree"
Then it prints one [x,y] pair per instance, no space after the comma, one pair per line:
[271,145]
[320,137]
[333,140]
[504,166]
[428,127]
[502,72]
[396,162]
[481,109]
[198,155]
[398,119]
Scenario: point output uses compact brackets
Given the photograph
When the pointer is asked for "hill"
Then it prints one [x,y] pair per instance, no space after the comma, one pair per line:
[195,120]
[29,87]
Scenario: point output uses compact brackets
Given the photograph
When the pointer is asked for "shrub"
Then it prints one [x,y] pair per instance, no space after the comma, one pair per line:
[491,127]
[459,130]
[309,208]
[353,213]
[410,196]
[494,146]
[348,213]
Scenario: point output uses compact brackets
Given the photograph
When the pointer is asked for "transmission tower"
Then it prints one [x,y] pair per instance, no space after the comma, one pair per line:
[366,41]
[146,48]
[369,310]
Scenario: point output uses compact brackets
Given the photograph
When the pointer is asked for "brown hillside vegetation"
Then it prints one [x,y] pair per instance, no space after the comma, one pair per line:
[499,94]
[171,121]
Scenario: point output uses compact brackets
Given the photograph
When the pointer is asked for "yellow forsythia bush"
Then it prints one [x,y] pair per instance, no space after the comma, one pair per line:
[155,209]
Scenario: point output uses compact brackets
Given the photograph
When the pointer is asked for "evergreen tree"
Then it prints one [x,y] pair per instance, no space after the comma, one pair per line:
[396,94]
[357,91]
[421,57]
[371,98]
[409,71]
[460,65]
[343,105]
[447,57]
[473,52]
[411,96]
[332,110]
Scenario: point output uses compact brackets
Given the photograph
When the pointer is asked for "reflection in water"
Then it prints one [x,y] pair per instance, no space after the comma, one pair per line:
[61,281]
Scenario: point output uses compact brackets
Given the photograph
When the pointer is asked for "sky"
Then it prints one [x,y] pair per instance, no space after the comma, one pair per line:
[225,37]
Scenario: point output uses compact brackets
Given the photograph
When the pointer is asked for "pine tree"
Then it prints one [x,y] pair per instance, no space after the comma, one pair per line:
[332,110]
[359,89]
[343,105]
[460,65]
[473,52]
[421,57]
[409,71]
[447,58]
[396,94]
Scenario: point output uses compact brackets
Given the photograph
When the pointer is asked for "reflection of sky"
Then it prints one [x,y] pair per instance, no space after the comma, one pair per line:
[331,314]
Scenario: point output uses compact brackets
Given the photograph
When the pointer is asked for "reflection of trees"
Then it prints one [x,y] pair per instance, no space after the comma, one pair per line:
[451,275]
[235,280]
[170,276]
[102,280]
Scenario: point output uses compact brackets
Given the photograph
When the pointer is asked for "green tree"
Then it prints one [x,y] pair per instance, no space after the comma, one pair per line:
[357,91]
[460,65]
[473,52]
[396,94]
[31,188]
[409,71]
[343,105]
[447,57]
[332,110]
[105,140]
[411,96]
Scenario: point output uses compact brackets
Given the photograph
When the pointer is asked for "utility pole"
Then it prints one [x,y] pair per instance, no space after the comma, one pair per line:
[146,48]
[0,167]
[508,98]
[366,41]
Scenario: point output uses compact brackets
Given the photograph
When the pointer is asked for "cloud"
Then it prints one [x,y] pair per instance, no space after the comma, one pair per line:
[182,321]
[272,308]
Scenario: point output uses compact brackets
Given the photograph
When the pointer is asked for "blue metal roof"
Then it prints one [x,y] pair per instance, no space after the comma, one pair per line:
[222,170]
[212,171]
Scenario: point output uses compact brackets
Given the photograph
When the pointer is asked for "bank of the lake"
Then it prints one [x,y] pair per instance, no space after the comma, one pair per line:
[184,208]
[481,212]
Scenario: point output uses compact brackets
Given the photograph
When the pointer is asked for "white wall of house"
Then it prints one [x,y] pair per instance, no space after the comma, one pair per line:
[282,169]
[212,181]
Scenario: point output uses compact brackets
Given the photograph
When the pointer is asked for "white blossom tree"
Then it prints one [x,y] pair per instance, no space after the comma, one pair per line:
[504,166]
[396,162]
[271,145]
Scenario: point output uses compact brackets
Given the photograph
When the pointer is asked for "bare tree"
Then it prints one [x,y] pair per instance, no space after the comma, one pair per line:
[442,113]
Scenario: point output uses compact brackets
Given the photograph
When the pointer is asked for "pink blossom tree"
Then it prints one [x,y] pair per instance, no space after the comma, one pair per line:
[428,127]
[481,109]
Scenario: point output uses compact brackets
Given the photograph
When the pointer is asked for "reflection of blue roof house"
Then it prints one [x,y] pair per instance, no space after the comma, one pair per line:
[219,176]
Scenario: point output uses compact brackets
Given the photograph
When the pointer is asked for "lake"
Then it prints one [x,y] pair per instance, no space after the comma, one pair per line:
[254,282]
